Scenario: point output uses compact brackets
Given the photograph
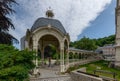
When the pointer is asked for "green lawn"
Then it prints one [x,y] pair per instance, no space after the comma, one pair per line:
[99,65]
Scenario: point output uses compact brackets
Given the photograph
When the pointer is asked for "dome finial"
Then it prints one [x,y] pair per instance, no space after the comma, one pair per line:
[49,13]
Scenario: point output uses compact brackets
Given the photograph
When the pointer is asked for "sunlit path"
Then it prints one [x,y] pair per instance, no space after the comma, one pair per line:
[53,79]
[51,75]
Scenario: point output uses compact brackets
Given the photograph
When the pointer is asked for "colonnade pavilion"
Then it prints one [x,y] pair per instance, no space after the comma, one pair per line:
[47,32]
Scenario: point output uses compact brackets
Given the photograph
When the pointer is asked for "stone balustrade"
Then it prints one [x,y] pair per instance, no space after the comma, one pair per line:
[82,76]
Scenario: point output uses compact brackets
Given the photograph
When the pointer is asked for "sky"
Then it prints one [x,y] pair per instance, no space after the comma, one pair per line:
[103,25]
[90,18]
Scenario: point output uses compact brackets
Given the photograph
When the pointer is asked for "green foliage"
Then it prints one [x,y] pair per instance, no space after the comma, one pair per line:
[53,52]
[106,40]
[55,56]
[14,64]
[86,44]
[103,66]
[90,67]
[70,55]
[91,44]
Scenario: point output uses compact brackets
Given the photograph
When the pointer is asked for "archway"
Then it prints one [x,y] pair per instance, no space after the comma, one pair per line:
[49,54]
[49,47]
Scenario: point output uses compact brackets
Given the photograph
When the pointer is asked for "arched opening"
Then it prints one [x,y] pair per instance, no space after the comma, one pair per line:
[50,55]
[80,56]
[48,46]
[70,56]
[76,56]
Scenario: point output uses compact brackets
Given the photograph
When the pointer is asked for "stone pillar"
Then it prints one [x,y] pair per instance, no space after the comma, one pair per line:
[67,58]
[62,66]
[35,48]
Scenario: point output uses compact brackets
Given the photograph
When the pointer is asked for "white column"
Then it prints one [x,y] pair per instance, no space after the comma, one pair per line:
[67,59]
[62,66]
[35,48]
[62,60]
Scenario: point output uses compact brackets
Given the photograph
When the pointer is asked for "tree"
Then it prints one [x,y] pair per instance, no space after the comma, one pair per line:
[14,64]
[86,44]
[92,44]
[5,22]
[105,40]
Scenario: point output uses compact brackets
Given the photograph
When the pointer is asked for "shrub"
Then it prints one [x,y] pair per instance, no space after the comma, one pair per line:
[14,64]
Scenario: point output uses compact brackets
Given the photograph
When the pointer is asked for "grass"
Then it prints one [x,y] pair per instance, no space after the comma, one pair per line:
[99,65]
[103,65]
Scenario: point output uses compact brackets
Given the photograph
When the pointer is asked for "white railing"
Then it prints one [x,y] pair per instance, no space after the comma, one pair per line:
[81,62]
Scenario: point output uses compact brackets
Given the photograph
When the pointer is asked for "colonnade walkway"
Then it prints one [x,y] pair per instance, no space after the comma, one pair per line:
[83,61]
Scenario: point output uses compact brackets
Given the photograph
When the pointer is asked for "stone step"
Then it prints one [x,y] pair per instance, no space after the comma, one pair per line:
[52,79]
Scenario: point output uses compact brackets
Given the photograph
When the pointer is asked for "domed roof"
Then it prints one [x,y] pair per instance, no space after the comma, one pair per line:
[42,22]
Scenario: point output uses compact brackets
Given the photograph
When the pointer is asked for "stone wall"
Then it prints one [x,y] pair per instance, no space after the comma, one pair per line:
[79,76]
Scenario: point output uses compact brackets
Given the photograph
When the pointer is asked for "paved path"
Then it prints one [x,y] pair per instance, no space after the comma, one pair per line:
[51,75]
[53,79]
[48,73]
